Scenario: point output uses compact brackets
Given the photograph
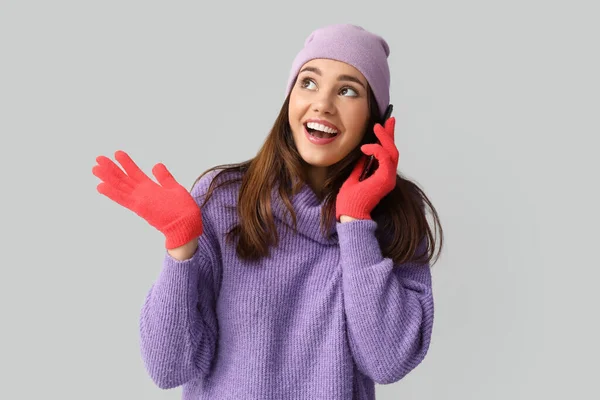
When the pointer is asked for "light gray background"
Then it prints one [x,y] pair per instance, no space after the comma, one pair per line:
[497,107]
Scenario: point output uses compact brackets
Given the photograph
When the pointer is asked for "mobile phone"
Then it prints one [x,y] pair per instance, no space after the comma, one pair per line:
[369,164]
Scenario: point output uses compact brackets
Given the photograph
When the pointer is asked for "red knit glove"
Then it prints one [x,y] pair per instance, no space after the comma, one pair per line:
[358,198]
[168,207]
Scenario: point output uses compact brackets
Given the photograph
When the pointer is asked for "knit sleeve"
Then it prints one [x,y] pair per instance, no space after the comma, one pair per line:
[389,307]
[178,325]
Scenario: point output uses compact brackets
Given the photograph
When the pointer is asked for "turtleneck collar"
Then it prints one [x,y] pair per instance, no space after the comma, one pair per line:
[307,207]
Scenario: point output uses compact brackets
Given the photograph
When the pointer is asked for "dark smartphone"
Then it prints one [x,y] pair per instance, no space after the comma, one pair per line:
[369,164]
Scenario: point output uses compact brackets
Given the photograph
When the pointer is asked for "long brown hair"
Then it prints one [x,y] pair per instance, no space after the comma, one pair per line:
[401,216]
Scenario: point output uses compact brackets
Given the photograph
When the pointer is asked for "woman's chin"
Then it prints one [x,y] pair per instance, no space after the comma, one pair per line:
[320,163]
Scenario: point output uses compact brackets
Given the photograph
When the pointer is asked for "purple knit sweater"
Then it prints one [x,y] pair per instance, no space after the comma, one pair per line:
[323,317]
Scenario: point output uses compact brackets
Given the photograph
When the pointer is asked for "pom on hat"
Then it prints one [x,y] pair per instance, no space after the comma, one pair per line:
[352,44]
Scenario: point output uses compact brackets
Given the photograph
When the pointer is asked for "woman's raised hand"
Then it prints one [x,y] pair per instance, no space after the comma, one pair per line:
[165,205]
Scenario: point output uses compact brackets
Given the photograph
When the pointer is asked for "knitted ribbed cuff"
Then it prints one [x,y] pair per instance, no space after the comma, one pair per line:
[359,247]
[178,279]
[356,207]
[183,230]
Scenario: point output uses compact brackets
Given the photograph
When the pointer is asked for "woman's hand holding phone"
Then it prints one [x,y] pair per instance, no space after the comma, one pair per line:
[368,169]
[358,198]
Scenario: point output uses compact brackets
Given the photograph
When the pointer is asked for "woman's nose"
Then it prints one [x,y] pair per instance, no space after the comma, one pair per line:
[323,104]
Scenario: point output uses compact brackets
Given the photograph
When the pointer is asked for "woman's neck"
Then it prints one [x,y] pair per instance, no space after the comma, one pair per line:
[316,179]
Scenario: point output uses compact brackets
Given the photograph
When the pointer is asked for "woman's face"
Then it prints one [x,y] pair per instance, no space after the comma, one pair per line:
[328,95]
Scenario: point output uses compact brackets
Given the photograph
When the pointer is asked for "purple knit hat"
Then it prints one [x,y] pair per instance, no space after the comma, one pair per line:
[352,44]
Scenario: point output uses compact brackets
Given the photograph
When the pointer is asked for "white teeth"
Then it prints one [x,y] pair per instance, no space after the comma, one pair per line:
[320,127]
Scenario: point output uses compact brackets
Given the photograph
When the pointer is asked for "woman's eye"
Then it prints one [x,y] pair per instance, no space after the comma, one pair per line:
[352,90]
[305,82]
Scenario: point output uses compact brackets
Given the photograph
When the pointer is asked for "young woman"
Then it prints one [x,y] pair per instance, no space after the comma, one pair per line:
[287,276]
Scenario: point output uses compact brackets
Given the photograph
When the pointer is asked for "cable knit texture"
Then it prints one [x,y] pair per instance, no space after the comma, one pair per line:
[323,317]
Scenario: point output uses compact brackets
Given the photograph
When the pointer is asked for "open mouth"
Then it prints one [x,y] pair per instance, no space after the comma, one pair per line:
[320,131]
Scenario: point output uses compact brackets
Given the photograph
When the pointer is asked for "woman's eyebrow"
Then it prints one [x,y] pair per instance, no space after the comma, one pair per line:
[340,78]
